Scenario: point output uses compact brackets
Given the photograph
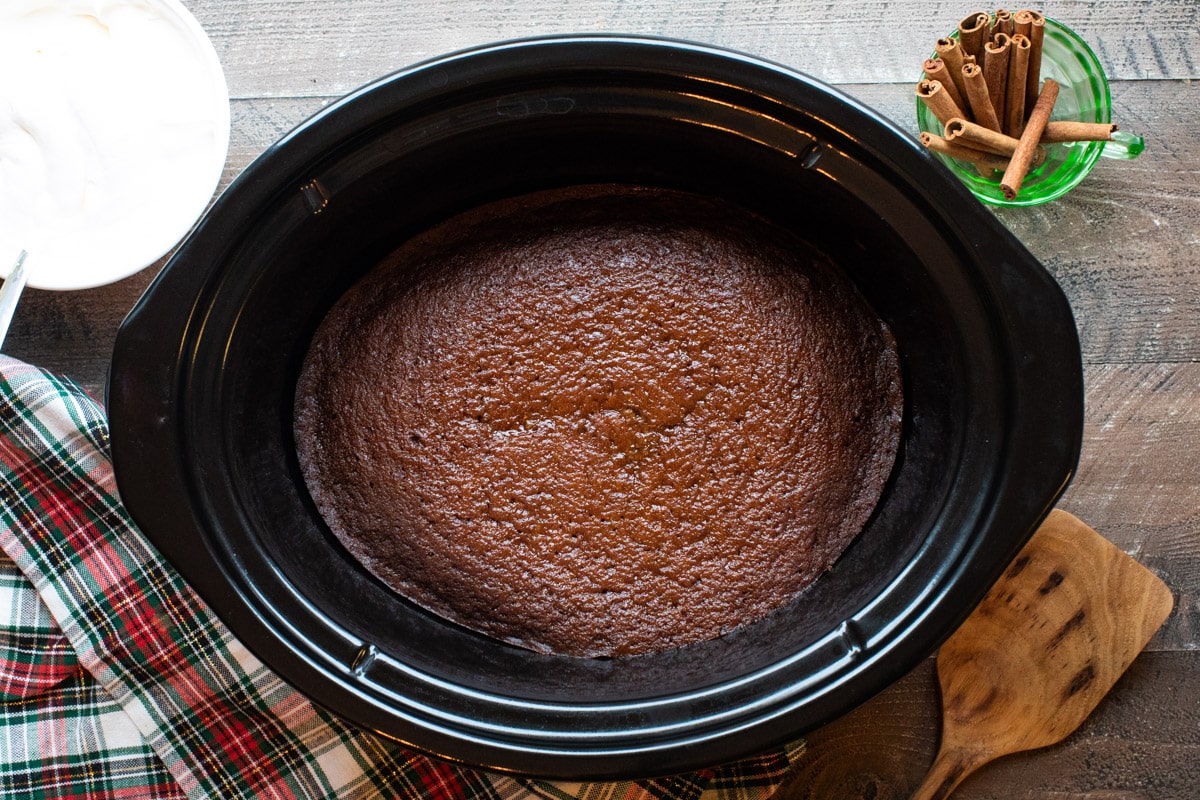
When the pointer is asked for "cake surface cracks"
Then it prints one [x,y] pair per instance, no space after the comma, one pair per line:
[600,421]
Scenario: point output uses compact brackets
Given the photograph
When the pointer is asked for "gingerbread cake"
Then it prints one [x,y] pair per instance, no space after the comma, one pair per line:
[600,421]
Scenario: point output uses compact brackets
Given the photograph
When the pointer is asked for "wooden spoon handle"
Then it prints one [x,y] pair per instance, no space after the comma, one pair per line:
[947,772]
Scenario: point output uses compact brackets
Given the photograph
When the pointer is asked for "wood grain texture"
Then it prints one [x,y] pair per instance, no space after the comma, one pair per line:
[1138,466]
[328,51]
[1042,650]
[1141,743]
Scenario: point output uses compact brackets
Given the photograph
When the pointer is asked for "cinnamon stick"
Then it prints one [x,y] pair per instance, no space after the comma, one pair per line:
[934,95]
[950,51]
[1014,94]
[973,31]
[1068,131]
[1034,77]
[1027,146]
[1003,22]
[977,96]
[974,135]
[995,70]
[984,161]
[936,70]
[1023,23]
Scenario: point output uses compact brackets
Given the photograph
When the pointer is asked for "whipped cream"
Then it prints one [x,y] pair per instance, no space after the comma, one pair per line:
[114,127]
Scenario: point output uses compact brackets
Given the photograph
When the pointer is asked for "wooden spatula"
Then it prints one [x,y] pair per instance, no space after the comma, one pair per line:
[1042,649]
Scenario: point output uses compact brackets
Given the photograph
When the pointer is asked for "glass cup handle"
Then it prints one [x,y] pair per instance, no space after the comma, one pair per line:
[1124,145]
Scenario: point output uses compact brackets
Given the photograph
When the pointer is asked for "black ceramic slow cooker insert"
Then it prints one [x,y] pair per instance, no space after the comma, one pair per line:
[204,371]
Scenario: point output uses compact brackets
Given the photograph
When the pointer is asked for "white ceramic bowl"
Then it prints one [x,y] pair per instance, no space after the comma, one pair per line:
[114,128]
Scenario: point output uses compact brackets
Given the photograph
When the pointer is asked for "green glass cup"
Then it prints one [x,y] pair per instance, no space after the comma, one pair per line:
[1083,96]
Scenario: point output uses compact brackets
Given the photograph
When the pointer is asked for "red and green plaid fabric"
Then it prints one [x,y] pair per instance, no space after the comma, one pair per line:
[116,681]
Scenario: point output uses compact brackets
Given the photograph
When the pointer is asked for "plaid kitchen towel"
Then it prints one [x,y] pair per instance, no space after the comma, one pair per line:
[116,681]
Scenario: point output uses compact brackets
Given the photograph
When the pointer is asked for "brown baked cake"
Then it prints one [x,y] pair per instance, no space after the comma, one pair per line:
[600,421]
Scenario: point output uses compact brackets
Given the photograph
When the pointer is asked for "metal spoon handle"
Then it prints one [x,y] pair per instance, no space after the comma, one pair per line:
[10,294]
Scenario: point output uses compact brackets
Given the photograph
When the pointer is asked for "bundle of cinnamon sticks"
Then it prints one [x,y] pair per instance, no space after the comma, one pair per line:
[984,85]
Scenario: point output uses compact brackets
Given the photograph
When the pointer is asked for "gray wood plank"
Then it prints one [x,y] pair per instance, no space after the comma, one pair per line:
[283,48]
[1136,483]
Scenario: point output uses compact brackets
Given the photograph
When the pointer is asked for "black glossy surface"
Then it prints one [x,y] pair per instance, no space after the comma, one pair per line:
[204,369]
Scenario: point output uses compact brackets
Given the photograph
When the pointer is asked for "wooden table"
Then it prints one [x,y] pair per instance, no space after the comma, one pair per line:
[1125,246]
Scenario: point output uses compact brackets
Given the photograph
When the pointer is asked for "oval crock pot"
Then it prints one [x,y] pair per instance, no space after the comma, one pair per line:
[203,374]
